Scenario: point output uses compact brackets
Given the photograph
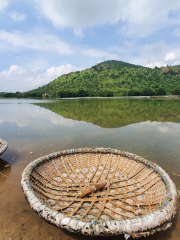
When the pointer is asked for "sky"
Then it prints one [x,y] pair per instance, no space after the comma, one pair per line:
[43,39]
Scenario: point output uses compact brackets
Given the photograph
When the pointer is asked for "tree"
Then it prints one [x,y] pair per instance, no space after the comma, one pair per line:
[160,91]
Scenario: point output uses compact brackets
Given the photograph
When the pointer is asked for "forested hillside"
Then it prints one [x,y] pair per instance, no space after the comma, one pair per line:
[113,78]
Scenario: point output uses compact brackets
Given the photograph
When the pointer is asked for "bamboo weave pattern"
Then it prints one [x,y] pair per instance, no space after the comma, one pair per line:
[100,191]
[134,189]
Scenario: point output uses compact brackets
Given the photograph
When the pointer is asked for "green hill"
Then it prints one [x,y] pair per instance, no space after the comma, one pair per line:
[113,78]
[116,64]
[107,78]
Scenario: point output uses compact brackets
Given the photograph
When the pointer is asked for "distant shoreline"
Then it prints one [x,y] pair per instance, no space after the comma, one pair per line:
[168,96]
[88,97]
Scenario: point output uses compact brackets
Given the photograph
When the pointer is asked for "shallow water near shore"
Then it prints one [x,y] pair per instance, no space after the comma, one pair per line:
[33,128]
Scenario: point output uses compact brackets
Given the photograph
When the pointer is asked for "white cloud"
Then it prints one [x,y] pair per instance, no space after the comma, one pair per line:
[17,16]
[78,33]
[16,40]
[155,64]
[170,56]
[138,17]
[18,78]
[13,79]
[3,5]
[94,52]
[144,18]
[156,54]
[13,73]
[80,13]
[52,73]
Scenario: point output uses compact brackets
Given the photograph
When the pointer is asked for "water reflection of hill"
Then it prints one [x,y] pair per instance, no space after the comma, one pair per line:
[113,113]
[5,170]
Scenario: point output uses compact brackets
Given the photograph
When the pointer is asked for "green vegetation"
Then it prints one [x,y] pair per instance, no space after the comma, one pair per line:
[114,113]
[111,78]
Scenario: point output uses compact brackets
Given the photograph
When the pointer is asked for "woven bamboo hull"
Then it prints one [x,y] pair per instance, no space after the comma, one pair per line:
[3,146]
[100,192]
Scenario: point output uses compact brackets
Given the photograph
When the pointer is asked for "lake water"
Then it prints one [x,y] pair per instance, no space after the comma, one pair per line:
[33,128]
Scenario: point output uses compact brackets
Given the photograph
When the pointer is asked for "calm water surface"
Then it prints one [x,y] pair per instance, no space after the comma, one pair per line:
[33,128]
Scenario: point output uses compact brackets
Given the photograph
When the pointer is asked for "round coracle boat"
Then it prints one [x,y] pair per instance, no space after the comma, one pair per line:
[3,146]
[100,191]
